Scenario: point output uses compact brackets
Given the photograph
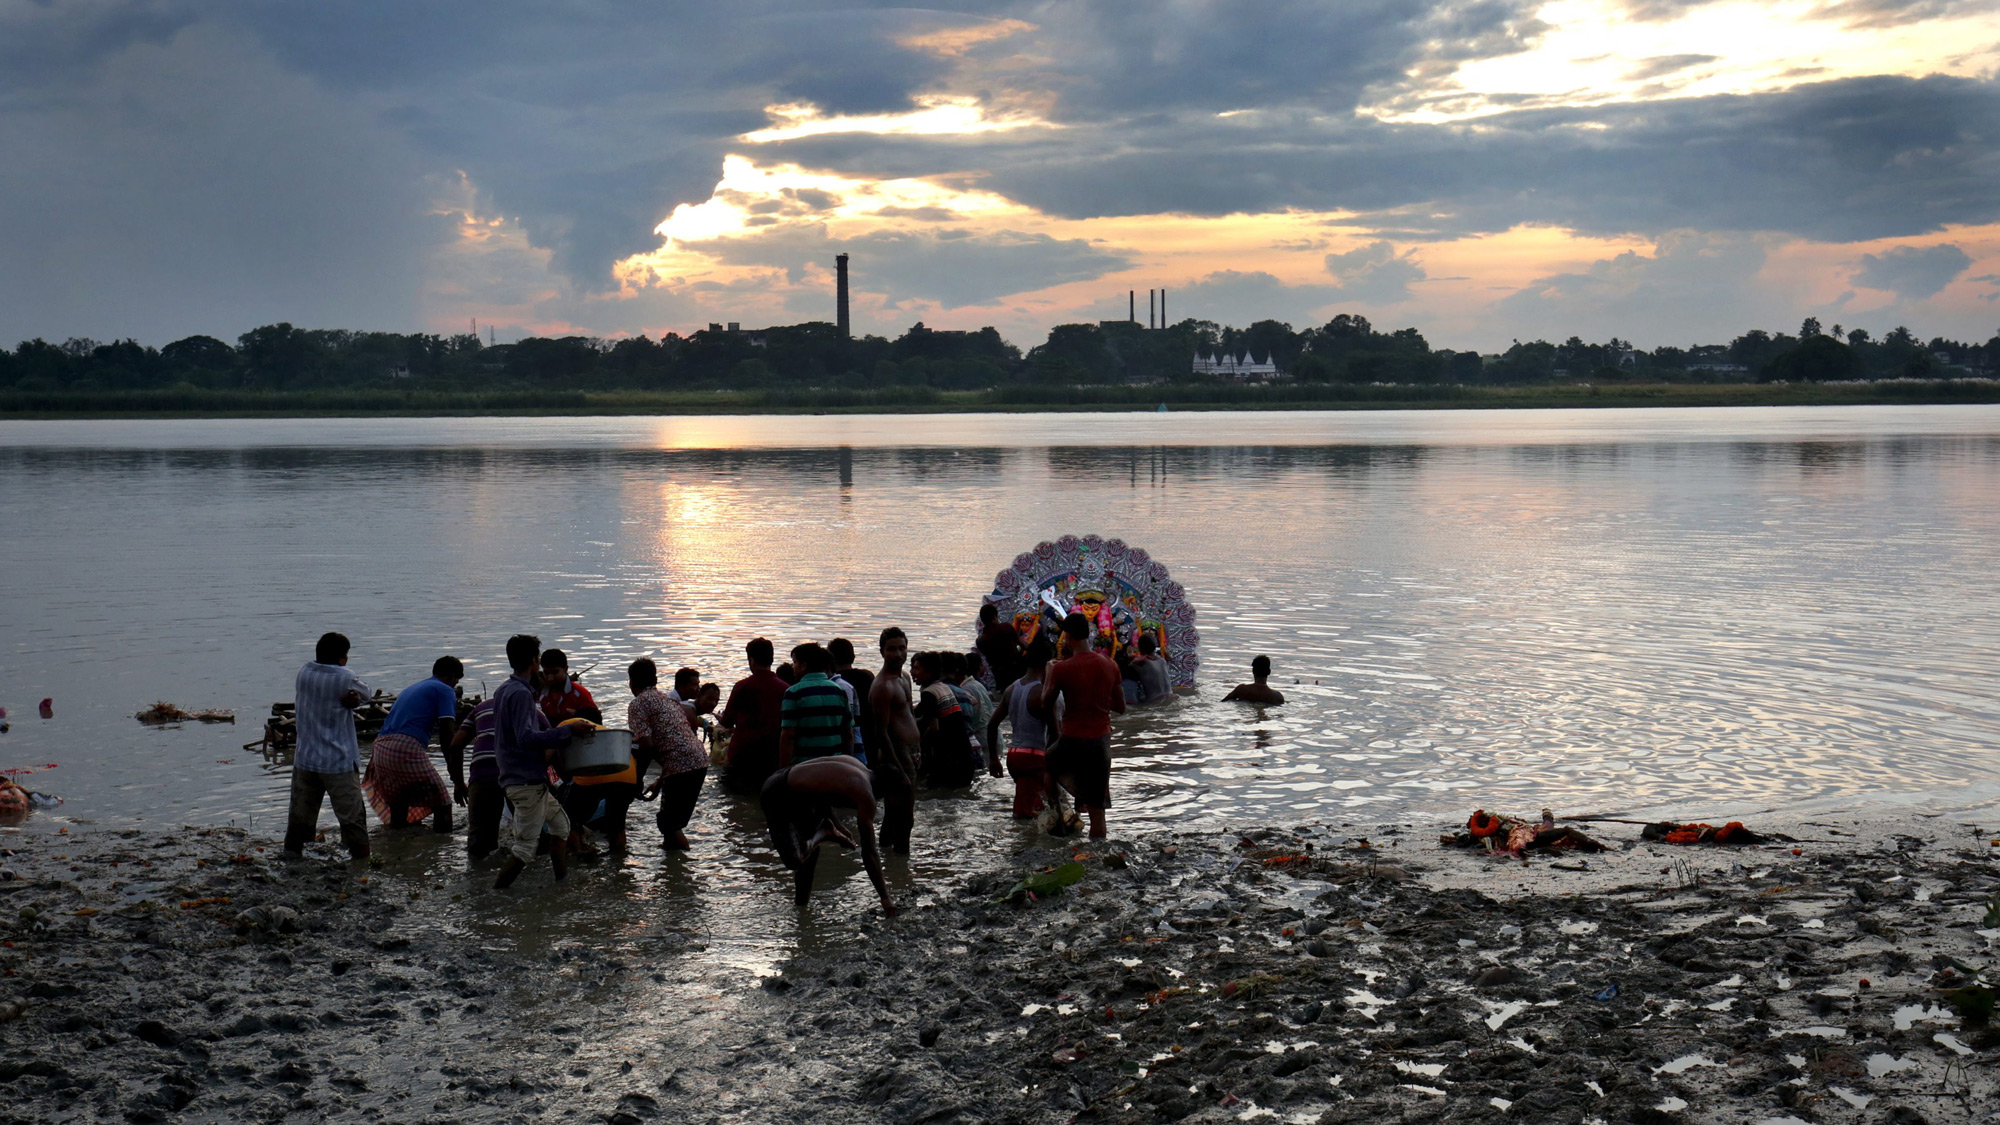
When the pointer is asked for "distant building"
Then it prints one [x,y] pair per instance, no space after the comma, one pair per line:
[1717,366]
[755,337]
[1237,369]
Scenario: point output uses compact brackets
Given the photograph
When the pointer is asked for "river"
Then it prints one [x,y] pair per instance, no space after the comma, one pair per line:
[1698,613]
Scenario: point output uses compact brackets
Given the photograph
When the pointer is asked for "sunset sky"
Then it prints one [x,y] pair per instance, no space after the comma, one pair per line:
[1666,171]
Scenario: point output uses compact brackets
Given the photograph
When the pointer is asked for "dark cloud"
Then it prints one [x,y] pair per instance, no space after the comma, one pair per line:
[1660,65]
[44,41]
[1849,160]
[589,121]
[194,185]
[1125,57]
[1912,272]
[1375,274]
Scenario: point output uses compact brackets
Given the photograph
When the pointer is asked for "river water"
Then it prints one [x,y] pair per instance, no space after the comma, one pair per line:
[1697,613]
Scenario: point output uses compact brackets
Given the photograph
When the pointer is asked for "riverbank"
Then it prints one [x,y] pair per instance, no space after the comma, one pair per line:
[195,403]
[1313,974]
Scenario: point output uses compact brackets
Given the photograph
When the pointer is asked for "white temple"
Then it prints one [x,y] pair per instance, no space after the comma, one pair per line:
[1241,369]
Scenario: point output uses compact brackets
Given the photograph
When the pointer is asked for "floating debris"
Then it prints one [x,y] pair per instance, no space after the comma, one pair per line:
[162,713]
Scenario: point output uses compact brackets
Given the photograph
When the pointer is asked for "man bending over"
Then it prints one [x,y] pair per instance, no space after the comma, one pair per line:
[798,803]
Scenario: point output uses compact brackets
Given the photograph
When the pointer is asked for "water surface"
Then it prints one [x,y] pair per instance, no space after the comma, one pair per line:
[1703,613]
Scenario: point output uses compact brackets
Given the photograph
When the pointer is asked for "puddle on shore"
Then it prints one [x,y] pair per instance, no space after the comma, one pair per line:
[1422,1070]
[1880,1064]
[1910,1014]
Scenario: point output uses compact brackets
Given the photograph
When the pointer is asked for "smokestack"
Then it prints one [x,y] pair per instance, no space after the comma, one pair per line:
[1132,306]
[840,313]
[1163,308]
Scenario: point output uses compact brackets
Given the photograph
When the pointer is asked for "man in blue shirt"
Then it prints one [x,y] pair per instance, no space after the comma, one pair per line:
[524,744]
[402,785]
[324,697]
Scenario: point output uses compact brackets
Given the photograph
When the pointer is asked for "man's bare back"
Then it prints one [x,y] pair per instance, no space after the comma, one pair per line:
[1255,693]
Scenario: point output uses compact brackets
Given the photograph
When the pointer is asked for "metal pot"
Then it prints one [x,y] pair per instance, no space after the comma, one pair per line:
[607,752]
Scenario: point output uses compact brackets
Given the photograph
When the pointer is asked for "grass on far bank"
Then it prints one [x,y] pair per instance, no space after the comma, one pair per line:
[194,403]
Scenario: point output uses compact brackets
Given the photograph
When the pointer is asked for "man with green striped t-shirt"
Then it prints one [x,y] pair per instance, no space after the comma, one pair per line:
[814,719]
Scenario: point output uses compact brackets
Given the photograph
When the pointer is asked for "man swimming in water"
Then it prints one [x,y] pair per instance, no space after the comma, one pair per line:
[798,804]
[895,744]
[1259,691]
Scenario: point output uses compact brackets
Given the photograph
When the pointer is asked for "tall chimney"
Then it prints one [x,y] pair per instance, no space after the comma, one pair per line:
[1163,308]
[1132,306]
[840,314]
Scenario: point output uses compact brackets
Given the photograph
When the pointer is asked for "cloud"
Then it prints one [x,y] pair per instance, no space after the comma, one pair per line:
[1375,274]
[1241,298]
[590,121]
[1117,58]
[1660,65]
[193,185]
[956,269]
[138,131]
[1898,13]
[1847,160]
[1912,272]
[950,267]
[1695,286]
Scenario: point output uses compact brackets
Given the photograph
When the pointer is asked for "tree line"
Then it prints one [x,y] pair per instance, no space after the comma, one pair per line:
[1345,350]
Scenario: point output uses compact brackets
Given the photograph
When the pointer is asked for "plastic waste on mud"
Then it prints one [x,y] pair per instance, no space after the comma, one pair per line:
[1732,834]
[1497,834]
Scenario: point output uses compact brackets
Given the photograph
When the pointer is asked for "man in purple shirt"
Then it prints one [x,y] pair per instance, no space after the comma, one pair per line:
[523,745]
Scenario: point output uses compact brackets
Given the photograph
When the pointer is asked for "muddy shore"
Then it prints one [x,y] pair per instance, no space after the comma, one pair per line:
[1320,973]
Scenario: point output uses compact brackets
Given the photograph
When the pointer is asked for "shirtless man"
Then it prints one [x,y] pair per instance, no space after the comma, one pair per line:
[798,803]
[1259,691]
[894,747]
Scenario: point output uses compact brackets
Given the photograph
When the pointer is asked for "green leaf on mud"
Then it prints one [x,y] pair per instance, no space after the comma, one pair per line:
[1045,882]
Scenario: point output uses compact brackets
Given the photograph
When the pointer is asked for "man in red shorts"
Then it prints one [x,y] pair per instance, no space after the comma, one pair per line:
[1091,687]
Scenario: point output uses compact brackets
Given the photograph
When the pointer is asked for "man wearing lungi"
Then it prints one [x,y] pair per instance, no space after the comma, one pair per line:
[402,785]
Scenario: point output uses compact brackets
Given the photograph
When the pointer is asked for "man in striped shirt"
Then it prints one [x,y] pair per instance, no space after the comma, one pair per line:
[328,756]
[814,719]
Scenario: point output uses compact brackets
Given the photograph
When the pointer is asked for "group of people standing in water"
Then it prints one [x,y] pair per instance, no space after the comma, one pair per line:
[807,737]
